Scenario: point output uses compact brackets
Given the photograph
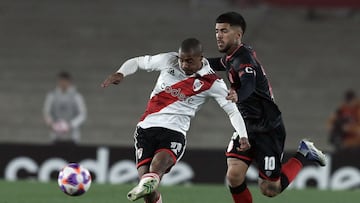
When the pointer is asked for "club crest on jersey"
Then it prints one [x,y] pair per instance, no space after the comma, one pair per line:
[268,173]
[197,85]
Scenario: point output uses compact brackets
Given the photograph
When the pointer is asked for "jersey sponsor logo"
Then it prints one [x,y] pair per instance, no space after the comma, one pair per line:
[180,91]
[197,85]
[175,92]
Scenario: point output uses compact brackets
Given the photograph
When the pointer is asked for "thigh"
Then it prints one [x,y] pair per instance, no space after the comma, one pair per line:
[269,151]
[145,146]
[150,141]
[236,171]
[172,142]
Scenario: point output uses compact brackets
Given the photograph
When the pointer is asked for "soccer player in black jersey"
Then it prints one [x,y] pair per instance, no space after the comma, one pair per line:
[262,117]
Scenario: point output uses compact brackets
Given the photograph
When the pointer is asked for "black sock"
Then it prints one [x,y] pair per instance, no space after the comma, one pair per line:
[284,181]
[238,189]
[300,157]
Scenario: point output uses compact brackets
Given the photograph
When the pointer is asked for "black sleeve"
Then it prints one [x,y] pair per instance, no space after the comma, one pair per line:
[215,64]
[245,68]
[248,83]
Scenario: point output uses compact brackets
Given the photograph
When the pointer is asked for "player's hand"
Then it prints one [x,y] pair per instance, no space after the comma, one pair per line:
[114,78]
[61,127]
[232,96]
[244,144]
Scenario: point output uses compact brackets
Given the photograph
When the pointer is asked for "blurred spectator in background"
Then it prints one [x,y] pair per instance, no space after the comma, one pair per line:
[345,123]
[64,111]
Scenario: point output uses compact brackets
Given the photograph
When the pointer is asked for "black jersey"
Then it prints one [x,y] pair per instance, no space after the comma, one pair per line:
[248,78]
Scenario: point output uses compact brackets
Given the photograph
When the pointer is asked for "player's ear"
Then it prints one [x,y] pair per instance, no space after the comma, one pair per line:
[239,32]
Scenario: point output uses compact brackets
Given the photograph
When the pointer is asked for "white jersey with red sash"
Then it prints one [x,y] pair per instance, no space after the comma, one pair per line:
[176,96]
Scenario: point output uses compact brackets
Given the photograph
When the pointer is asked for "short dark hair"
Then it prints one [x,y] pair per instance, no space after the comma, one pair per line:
[232,18]
[191,45]
[64,75]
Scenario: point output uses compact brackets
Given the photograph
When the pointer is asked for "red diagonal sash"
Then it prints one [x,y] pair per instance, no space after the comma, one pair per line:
[177,92]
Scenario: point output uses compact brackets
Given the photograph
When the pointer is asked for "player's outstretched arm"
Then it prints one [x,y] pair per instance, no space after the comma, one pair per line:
[238,123]
[221,95]
[149,63]
[114,78]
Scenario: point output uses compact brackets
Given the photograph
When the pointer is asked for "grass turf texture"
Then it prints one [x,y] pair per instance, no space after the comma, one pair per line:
[34,192]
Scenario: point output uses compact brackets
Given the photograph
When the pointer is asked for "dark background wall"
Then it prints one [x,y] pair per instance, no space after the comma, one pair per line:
[310,63]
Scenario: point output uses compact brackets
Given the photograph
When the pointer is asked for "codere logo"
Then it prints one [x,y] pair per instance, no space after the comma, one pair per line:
[176,93]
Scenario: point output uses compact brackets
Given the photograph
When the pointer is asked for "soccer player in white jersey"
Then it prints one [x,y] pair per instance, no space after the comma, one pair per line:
[185,82]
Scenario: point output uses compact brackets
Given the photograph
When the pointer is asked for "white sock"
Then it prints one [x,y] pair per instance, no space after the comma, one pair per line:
[152,175]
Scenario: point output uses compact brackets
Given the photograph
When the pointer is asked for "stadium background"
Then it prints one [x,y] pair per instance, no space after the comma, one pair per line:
[310,64]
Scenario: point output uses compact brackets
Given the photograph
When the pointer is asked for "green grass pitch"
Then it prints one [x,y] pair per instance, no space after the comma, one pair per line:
[34,192]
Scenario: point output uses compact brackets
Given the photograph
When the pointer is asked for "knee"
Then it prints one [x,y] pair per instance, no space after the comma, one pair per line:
[236,172]
[270,189]
[234,177]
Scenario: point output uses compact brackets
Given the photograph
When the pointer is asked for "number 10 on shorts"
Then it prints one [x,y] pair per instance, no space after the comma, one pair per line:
[269,163]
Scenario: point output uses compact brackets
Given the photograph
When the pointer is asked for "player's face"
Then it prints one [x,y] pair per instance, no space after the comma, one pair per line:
[227,37]
[190,63]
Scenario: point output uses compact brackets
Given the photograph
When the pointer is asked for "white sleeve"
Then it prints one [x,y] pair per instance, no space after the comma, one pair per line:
[219,92]
[150,63]
[130,66]
[236,119]
[80,118]
[47,108]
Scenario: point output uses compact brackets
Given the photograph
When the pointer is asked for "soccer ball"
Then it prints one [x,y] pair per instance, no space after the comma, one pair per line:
[74,180]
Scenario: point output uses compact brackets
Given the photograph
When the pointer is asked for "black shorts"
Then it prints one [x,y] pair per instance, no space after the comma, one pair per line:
[149,141]
[266,150]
